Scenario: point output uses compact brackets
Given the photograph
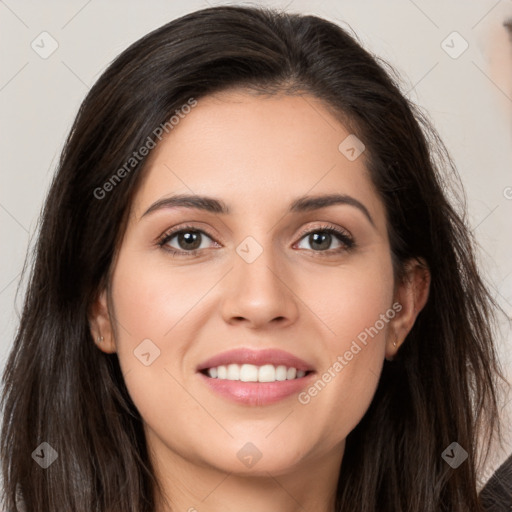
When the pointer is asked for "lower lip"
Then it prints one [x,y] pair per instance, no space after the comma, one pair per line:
[257,393]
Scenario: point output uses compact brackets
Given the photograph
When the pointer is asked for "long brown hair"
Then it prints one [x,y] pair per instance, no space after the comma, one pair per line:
[60,389]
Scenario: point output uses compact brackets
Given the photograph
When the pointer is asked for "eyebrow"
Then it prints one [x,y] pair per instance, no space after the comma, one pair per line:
[299,205]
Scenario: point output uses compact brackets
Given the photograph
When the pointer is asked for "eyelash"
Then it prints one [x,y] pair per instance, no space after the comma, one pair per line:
[343,237]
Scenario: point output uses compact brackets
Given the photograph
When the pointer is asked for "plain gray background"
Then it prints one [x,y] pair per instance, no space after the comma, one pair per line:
[468,97]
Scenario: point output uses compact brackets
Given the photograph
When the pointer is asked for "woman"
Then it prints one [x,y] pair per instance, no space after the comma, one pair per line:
[185,343]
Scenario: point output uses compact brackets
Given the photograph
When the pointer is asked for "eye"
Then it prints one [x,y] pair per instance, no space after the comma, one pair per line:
[321,238]
[187,238]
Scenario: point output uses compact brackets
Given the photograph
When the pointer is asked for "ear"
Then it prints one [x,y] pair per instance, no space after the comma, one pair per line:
[412,294]
[100,324]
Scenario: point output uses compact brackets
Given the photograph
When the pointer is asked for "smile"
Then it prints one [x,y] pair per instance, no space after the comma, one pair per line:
[256,377]
[253,373]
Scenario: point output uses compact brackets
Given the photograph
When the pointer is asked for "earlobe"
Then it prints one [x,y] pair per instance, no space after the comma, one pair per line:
[100,324]
[412,295]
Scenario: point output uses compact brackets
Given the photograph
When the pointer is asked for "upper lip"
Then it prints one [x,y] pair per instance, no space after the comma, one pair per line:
[257,358]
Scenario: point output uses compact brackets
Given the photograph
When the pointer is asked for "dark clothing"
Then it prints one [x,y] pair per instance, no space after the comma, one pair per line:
[496,496]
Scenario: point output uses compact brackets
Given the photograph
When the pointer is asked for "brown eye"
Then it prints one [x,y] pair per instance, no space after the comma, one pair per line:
[188,240]
[320,239]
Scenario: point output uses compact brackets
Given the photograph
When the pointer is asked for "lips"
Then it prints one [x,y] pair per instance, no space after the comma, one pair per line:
[256,357]
[256,393]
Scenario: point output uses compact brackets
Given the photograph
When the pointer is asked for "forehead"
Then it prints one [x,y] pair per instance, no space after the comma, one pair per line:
[257,151]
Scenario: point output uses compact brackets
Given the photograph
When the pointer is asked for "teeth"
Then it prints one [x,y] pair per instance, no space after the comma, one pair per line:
[233,372]
[291,373]
[267,373]
[280,372]
[248,373]
[252,373]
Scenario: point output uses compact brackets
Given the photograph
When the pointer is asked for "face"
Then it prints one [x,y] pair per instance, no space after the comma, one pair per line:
[192,283]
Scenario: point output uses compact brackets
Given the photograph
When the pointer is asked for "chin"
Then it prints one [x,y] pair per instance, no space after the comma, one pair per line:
[257,458]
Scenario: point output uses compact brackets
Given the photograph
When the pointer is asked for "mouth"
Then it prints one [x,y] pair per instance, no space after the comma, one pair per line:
[256,378]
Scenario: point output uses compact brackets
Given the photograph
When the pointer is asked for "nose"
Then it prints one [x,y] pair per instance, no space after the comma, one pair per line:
[259,292]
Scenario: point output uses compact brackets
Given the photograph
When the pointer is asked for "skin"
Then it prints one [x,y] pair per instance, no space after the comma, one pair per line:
[257,154]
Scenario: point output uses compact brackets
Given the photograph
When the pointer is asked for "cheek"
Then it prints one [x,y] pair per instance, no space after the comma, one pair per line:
[157,309]
[350,298]
[357,308]
[150,311]
[152,300]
